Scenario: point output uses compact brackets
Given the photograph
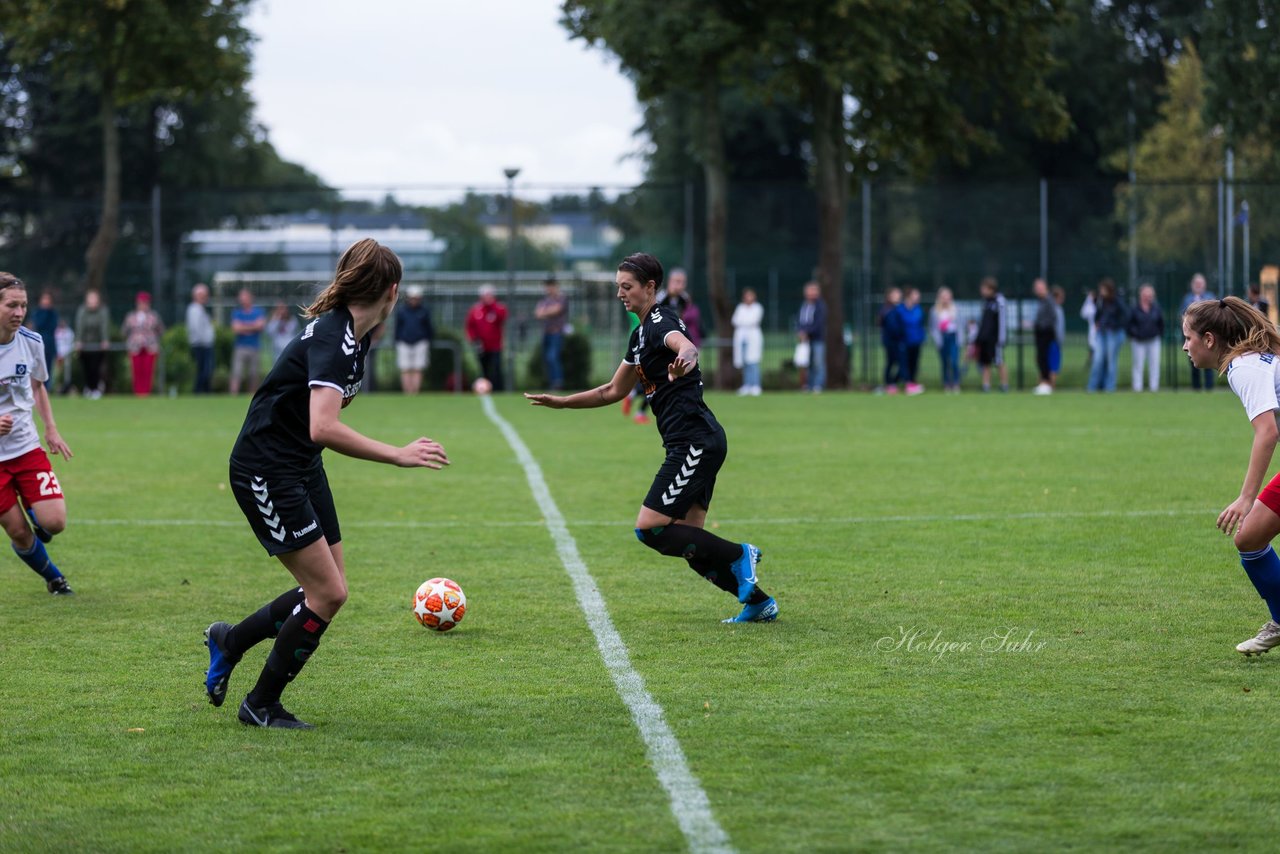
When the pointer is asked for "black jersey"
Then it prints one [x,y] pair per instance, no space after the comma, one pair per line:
[277,430]
[677,406]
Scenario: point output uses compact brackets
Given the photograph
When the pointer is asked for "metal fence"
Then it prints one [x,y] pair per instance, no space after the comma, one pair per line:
[1073,233]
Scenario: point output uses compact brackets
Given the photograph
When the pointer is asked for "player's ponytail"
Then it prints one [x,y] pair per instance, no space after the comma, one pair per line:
[1239,327]
[364,273]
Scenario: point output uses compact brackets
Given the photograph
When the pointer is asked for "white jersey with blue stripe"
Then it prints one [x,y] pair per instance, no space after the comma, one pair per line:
[1255,378]
[21,364]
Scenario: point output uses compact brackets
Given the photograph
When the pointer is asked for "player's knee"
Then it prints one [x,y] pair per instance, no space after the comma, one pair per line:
[1247,541]
[332,597]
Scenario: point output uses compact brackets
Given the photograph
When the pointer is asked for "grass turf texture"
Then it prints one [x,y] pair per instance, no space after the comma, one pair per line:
[1127,722]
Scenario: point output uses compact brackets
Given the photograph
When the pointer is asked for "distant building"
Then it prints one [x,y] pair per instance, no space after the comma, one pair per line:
[578,238]
[301,247]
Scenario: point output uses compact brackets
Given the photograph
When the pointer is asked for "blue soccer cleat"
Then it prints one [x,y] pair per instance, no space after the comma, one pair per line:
[744,569]
[764,612]
[220,662]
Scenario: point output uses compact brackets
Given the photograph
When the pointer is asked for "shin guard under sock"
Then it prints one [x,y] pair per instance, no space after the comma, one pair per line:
[263,623]
[298,639]
[1263,569]
[37,557]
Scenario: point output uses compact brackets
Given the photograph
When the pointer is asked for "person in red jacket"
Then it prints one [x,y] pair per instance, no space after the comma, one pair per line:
[484,327]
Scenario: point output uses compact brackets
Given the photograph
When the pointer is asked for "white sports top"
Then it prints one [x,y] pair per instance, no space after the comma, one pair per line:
[1255,378]
[21,363]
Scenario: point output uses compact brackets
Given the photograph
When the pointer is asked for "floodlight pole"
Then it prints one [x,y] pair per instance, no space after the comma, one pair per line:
[511,172]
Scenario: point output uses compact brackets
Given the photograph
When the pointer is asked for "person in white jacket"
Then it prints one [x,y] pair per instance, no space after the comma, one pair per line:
[748,341]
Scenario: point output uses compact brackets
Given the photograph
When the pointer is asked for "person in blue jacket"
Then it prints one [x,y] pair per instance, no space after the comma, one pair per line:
[911,323]
[890,339]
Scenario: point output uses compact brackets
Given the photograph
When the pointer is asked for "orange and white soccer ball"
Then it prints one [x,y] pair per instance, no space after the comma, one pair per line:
[439,604]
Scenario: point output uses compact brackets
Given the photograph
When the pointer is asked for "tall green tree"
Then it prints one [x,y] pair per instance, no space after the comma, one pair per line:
[691,48]
[124,53]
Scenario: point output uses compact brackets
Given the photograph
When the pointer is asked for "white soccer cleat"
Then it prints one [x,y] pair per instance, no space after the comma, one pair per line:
[1267,637]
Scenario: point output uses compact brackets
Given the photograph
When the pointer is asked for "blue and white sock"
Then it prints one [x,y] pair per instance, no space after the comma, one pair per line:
[1263,569]
[37,558]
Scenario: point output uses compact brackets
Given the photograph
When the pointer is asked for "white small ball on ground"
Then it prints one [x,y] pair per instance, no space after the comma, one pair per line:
[481,386]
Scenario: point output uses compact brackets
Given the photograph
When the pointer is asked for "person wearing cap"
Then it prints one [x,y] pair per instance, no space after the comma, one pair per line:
[142,330]
[413,339]
[247,322]
[484,326]
[553,311]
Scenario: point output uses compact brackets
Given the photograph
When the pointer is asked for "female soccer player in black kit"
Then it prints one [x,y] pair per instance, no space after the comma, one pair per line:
[671,520]
[278,478]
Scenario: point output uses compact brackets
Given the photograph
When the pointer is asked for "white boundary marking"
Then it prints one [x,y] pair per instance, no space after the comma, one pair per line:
[600,523]
[689,803]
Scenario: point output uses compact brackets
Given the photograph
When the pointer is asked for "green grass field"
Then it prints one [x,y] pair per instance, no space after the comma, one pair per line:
[1082,525]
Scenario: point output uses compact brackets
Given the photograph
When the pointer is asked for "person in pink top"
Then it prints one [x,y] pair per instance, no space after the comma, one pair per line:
[484,328]
[142,329]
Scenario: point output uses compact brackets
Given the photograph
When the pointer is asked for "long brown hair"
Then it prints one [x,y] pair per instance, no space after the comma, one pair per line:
[364,273]
[9,280]
[1239,326]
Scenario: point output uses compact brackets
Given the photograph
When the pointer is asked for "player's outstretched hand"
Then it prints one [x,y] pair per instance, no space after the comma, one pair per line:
[551,401]
[54,439]
[423,453]
[1230,519]
[679,367]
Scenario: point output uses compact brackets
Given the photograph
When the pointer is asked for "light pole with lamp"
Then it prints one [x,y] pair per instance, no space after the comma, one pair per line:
[511,172]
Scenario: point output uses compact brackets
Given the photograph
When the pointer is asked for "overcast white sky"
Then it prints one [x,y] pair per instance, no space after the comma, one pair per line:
[397,92]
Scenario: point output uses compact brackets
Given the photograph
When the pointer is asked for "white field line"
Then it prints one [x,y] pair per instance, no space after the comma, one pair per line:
[626,523]
[689,803]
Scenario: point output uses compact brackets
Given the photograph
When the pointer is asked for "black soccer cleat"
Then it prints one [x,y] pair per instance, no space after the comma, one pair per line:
[221,662]
[274,716]
[42,533]
[59,587]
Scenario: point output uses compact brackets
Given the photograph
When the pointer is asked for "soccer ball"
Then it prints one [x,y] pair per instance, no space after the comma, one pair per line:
[439,604]
[481,386]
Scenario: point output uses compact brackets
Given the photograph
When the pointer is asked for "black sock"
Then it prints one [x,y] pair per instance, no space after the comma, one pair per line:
[690,543]
[263,623]
[718,574]
[298,639]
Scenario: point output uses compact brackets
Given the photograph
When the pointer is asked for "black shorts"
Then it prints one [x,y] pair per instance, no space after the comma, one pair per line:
[990,353]
[688,475]
[286,512]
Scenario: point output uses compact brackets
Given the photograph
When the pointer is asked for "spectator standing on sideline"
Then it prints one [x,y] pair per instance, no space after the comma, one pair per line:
[1112,320]
[913,335]
[44,320]
[413,339]
[1197,292]
[1059,334]
[93,340]
[142,329]
[484,327]
[1045,329]
[944,329]
[65,338]
[200,336]
[1256,300]
[1146,328]
[247,322]
[676,295]
[890,324]
[812,329]
[1089,314]
[553,311]
[992,333]
[281,328]
[748,341]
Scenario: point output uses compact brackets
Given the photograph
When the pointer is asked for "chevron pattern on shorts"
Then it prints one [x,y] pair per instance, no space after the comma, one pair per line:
[268,509]
[687,470]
